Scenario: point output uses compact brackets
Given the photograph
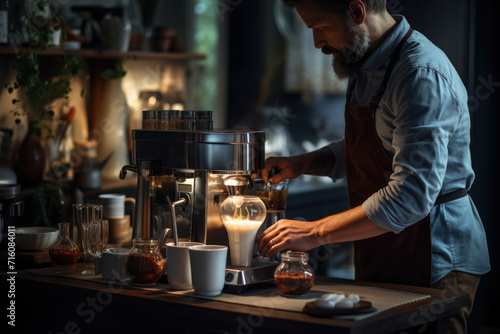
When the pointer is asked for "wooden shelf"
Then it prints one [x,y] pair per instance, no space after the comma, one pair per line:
[112,54]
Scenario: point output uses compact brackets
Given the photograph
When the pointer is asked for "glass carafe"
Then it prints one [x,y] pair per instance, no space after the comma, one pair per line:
[294,276]
[64,252]
[145,262]
[242,216]
[274,197]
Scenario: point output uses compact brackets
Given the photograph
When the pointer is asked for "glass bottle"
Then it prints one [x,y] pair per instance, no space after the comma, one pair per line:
[145,262]
[64,252]
[294,276]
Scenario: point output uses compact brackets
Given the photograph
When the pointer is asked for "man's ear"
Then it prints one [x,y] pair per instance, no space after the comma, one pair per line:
[357,11]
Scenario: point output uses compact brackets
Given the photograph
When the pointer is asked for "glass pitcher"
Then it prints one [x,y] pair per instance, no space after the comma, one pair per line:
[242,215]
[145,262]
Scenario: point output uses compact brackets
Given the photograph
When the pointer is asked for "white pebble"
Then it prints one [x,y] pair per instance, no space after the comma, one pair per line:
[348,302]
[330,300]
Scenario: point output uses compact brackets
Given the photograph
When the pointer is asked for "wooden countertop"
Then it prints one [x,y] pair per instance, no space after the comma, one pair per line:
[65,305]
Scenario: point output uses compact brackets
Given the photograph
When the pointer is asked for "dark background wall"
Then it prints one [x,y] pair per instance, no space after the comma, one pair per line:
[466,30]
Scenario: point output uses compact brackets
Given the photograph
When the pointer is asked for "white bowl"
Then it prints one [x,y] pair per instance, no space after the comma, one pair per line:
[35,238]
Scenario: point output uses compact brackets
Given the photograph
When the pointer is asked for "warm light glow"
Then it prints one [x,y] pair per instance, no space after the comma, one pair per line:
[152,100]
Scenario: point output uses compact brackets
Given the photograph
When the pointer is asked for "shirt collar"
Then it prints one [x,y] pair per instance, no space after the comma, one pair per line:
[384,51]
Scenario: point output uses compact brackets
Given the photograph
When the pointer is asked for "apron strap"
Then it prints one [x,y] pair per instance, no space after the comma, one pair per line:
[451,196]
[394,59]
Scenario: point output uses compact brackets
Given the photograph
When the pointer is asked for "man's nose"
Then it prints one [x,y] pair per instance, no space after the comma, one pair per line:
[319,42]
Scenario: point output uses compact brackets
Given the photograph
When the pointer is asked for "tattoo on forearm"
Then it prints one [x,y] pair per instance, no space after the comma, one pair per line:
[323,163]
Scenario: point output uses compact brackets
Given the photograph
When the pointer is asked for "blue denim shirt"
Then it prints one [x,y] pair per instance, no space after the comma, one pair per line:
[423,123]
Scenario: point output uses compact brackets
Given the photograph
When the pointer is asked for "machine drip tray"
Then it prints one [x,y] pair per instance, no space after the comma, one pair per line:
[239,279]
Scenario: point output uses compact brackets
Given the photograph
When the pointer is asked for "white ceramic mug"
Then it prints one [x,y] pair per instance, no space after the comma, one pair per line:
[114,204]
[179,265]
[208,268]
[113,263]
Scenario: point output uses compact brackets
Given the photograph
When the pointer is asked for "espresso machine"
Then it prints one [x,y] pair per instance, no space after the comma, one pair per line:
[184,176]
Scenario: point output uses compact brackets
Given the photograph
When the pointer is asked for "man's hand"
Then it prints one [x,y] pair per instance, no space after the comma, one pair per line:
[289,234]
[318,162]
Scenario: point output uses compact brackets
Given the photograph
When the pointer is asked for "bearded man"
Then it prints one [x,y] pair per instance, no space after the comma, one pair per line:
[405,156]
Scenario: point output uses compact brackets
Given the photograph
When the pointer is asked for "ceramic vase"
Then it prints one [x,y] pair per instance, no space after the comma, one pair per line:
[31,158]
[111,134]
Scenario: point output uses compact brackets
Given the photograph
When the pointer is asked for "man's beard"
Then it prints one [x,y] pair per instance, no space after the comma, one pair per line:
[350,58]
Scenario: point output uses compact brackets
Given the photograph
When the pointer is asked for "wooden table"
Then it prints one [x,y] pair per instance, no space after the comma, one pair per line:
[47,304]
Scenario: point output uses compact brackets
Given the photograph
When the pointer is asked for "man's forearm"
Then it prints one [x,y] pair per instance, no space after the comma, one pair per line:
[321,162]
[349,225]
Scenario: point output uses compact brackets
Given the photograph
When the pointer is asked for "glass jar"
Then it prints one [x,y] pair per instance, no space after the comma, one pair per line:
[144,262]
[203,120]
[294,276]
[64,252]
[162,118]
[174,120]
[148,119]
[186,120]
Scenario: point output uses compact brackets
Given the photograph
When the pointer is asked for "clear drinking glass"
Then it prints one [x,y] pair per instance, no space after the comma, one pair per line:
[91,231]
[104,233]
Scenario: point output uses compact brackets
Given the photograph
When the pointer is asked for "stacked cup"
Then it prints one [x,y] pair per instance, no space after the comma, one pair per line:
[120,227]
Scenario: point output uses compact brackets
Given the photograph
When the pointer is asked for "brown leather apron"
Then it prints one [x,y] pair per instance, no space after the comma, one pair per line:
[403,258]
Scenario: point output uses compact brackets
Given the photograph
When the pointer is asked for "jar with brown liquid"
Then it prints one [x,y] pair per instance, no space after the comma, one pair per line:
[294,276]
[145,262]
[64,252]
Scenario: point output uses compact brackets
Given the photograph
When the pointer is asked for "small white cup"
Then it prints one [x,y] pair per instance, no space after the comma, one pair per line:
[179,265]
[113,263]
[208,268]
[114,204]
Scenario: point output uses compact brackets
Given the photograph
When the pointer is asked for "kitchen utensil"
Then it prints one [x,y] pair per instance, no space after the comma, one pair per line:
[162,241]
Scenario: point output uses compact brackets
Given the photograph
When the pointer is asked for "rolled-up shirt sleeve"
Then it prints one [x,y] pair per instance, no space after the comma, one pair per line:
[338,150]
[425,116]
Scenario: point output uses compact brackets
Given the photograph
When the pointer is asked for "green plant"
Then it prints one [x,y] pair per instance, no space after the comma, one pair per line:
[41,80]
[118,71]
[40,85]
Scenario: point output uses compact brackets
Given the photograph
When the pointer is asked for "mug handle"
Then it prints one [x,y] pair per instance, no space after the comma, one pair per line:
[132,201]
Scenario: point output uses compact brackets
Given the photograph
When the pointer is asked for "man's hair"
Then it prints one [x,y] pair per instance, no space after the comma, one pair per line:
[340,7]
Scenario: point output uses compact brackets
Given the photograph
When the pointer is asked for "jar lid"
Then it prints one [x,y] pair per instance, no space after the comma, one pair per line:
[295,256]
[187,114]
[145,241]
[174,113]
[9,191]
[148,114]
[203,114]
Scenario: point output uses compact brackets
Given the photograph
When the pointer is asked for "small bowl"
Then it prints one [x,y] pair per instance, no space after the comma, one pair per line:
[35,238]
